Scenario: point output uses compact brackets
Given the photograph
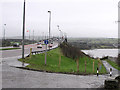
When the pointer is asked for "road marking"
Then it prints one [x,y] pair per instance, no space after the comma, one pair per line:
[20,56]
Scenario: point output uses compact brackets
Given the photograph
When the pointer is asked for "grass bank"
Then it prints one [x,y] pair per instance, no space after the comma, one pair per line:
[9,48]
[115,65]
[67,65]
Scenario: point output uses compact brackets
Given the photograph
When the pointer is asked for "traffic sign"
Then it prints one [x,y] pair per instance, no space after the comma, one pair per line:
[46,41]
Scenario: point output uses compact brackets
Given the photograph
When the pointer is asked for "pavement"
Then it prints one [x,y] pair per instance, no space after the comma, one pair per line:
[115,72]
[13,77]
[19,78]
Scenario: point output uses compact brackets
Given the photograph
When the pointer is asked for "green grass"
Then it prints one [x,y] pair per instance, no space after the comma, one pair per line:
[115,65]
[9,48]
[67,64]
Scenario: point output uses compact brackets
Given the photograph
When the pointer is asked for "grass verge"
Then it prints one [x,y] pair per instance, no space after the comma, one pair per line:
[9,48]
[67,65]
[115,65]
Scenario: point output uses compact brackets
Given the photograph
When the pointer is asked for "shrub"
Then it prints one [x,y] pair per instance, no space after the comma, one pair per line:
[70,51]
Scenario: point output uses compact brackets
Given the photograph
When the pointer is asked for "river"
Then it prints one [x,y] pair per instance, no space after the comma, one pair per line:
[101,52]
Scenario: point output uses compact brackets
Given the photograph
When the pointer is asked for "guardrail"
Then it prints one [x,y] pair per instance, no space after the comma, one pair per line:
[38,52]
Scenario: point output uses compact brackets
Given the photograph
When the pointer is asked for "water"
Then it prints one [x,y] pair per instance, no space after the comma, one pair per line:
[102,52]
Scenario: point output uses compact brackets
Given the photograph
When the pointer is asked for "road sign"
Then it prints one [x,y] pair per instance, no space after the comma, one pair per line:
[46,41]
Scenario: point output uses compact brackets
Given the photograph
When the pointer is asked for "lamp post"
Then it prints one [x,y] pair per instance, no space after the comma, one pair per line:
[4,31]
[33,36]
[29,34]
[60,33]
[59,30]
[49,25]
[23,31]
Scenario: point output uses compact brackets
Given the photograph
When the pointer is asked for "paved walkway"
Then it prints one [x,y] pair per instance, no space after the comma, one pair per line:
[115,72]
[18,78]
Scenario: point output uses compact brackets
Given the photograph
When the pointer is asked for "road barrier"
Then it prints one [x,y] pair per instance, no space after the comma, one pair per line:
[38,52]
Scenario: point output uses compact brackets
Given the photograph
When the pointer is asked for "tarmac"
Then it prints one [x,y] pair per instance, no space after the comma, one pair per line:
[13,77]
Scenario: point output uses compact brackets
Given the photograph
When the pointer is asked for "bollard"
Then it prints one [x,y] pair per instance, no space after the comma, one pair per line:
[110,72]
[97,71]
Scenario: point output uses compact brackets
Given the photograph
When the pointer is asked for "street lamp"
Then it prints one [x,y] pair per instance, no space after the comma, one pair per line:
[33,36]
[4,31]
[58,29]
[60,33]
[49,25]
[23,31]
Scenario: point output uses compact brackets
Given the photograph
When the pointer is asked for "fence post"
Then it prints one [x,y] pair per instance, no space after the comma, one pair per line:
[30,52]
[85,66]
[59,60]
[77,65]
[93,66]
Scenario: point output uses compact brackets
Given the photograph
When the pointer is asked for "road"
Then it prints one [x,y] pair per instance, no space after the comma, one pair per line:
[13,77]
[18,78]
[18,52]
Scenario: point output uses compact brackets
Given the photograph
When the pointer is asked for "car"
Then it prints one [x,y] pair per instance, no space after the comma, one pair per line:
[49,45]
[39,46]
[16,45]
[38,43]
[51,42]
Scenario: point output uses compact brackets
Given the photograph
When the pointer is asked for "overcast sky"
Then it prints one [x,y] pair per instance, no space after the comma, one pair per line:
[77,18]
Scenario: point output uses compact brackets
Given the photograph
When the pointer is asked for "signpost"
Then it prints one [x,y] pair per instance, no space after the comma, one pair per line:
[46,42]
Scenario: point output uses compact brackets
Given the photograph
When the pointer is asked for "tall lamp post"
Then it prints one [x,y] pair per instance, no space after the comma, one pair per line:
[60,33]
[23,31]
[33,36]
[4,31]
[58,29]
[49,26]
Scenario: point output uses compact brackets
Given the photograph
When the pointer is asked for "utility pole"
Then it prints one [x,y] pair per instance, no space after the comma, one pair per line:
[49,26]
[23,31]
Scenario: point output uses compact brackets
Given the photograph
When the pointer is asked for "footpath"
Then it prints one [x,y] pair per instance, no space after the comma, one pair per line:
[115,72]
[19,78]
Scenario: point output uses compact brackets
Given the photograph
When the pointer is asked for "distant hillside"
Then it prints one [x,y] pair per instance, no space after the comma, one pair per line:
[94,43]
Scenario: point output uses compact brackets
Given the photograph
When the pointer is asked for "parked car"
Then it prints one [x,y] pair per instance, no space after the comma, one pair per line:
[39,46]
[16,45]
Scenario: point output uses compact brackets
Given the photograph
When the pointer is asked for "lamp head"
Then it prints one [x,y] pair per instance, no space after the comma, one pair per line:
[49,11]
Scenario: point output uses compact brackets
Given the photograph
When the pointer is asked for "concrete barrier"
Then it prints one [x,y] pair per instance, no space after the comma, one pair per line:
[111,84]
